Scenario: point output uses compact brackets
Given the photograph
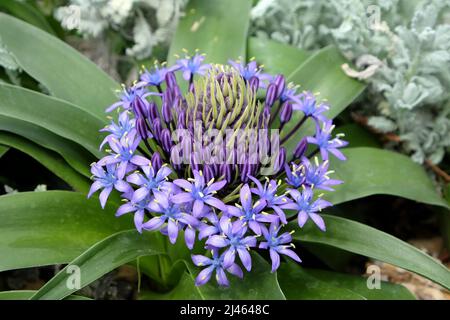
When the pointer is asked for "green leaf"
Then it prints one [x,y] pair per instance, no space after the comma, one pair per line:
[101,258]
[49,159]
[358,136]
[370,171]
[299,283]
[27,294]
[259,284]
[322,75]
[28,13]
[66,73]
[55,115]
[215,27]
[367,241]
[3,150]
[277,58]
[75,155]
[52,227]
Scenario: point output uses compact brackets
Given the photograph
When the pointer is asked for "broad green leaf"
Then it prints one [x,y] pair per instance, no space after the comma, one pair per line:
[358,136]
[259,284]
[75,155]
[52,227]
[55,115]
[215,27]
[28,13]
[369,171]
[277,58]
[66,73]
[49,159]
[101,258]
[322,75]
[3,150]
[299,283]
[27,294]
[367,241]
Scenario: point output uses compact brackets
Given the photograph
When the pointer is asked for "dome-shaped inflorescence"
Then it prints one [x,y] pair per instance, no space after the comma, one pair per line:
[206,150]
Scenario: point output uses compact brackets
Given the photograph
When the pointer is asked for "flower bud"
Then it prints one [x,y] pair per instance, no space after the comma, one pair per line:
[280,84]
[166,139]
[286,112]
[271,95]
[300,149]
[156,161]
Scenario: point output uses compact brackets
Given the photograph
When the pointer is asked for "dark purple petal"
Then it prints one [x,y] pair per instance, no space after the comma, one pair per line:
[300,149]
[156,161]
[271,95]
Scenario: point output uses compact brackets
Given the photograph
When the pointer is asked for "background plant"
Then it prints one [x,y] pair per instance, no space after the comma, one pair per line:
[38,227]
[400,48]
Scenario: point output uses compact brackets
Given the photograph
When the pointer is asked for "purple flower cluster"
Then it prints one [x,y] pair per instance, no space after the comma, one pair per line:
[219,195]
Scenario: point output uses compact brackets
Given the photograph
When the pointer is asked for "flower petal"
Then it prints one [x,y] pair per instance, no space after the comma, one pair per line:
[318,221]
[275,257]
[200,260]
[172,230]
[245,257]
[221,277]
[217,241]
[104,196]
[204,276]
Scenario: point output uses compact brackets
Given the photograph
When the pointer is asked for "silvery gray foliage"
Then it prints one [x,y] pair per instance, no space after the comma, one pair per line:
[400,47]
[92,18]
[7,60]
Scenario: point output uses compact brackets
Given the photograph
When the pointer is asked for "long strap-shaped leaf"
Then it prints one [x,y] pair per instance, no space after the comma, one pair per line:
[65,72]
[28,13]
[276,57]
[52,227]
[369,171]
[308,284]
[101,258]
[364,240]
[215,27]
[322,75]
[27,294]
[3,150]
[75,155]
[55,115]
[49,159]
